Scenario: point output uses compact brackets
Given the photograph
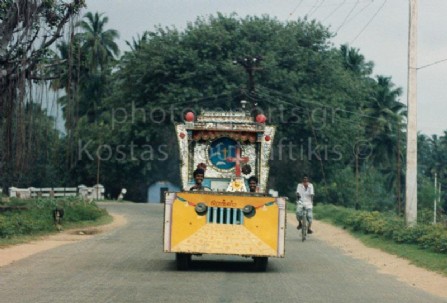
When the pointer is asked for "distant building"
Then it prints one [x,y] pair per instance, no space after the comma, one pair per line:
[156,192]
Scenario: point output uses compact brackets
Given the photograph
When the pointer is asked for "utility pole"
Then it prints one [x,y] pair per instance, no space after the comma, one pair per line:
[250,65]
[357,203]
[98,163]
[436,198]
[399,190]
[411,176]
[439,196]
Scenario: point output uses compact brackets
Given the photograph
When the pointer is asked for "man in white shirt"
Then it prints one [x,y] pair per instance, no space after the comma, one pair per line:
[305,197]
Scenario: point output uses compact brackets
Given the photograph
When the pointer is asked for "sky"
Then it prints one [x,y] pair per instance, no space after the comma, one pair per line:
[378,28]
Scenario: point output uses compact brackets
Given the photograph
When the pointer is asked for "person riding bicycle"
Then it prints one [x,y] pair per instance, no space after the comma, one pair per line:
[305,196]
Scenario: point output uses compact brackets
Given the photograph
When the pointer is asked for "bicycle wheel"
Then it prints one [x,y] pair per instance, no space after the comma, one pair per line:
[304,227]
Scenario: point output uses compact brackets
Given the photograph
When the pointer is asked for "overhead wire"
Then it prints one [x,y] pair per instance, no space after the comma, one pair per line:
[360,11]
[266,96]
[431,64]
[295,9]
[334,11]
[315,8]
[369,22]
[319,104]
[347,16]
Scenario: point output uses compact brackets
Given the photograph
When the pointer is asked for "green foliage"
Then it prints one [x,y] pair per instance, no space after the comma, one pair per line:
[25,222]
[291,205]
[309,89]
[37,217]
[367,191]
[426,194]
[41,162]
[333,116]
[432,160]
[97,42]
[386,225]
[27,136]
[435,238]
[83,212]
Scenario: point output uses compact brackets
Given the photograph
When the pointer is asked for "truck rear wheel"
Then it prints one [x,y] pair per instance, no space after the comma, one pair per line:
[183,261]
[261,263]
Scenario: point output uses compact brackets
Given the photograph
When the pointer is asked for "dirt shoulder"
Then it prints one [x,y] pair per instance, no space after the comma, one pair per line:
[14,253]
[402,269]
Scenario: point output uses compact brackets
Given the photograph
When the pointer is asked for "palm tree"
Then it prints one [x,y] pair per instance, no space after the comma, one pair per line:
[137,42]
[387,115]
[385,132]
[100,48]
[97,42]
[354,61]
[83,75]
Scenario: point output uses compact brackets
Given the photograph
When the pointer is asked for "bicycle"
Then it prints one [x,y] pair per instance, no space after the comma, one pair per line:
[304,228]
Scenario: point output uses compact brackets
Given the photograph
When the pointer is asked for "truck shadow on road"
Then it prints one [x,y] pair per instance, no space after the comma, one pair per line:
[196,265]
[244,266]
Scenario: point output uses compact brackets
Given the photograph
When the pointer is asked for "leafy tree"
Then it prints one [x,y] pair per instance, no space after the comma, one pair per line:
[89,57]
[302,85]
[137,42]
[44,140]
[432,160]
[425,156]
[28,28]
[366,191]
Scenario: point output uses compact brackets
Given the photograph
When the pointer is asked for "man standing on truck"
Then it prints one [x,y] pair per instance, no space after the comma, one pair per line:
[253,184]
[198,175]
[305,198]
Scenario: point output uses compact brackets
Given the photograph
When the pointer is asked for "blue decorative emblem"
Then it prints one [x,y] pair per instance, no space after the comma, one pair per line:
[219,152]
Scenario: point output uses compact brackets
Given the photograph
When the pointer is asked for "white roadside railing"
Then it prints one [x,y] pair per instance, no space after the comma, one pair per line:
[95,192]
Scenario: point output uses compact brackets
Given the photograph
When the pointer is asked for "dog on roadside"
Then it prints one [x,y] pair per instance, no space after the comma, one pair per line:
[58,214]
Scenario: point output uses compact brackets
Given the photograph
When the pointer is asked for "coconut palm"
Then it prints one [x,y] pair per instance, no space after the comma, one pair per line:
[385,125]
[354,61]
[385,132]
[98,42]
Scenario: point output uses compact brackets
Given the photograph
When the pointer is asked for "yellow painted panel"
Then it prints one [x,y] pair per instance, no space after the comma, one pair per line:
[257,236]
[265,225]
[185,221]
[224,239]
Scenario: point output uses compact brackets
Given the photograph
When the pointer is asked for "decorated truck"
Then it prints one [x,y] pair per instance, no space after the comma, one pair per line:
[224,216]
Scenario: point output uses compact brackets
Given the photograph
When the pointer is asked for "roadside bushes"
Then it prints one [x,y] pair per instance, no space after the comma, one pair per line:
[27,217]
[386,225]
[80,212]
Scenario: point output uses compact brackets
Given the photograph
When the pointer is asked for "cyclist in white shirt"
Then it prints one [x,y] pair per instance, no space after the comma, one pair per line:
[305,195]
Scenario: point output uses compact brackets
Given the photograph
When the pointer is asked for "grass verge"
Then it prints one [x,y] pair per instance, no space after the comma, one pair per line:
[423,258]
[20,239]
[432,261]
[25,219]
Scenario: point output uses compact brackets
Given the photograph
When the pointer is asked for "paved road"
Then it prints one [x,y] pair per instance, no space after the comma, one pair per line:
[128,265]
